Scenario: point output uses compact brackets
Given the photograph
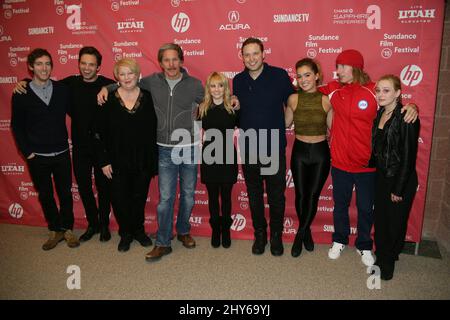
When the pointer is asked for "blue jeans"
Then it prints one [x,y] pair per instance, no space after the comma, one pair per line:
[364,183]
[175,162]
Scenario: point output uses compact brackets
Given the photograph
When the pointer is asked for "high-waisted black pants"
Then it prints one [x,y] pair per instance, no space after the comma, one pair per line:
[310,165]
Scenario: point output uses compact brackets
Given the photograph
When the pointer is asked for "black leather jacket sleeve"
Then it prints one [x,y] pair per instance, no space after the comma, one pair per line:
[409,135]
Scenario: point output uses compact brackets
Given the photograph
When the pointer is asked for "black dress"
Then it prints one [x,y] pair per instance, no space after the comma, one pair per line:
[219,172]
[126,139]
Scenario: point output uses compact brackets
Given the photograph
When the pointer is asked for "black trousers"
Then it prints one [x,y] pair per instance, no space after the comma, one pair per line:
[275,186]
[41,170]
[310,165]
[83,163]
[222,191]
[391,218]
[129,197]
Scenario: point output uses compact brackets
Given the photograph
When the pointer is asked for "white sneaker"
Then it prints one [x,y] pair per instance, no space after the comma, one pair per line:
[335,250]
[366,257]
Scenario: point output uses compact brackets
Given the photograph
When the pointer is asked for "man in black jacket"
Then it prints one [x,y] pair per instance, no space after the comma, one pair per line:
[84,88]
[38,122]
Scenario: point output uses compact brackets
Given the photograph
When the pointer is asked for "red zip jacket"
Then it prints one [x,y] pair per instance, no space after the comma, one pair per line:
[354,108]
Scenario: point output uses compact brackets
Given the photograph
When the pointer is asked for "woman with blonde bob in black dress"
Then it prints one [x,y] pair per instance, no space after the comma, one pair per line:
[394,151]
[127,151]
[219,158]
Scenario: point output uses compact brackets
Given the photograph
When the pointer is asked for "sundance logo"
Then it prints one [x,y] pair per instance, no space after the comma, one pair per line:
[233,18]
[15,210]
[181,22]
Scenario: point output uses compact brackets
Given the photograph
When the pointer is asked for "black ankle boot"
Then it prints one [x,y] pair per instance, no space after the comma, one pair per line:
[276,243]
[387,270]
[297,246]
[308,241]
[90,232]
[260,241]
[105,235]
[215,235]
[226,236]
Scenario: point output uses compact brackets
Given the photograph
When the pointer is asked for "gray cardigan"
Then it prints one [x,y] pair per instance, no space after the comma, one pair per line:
[177,108]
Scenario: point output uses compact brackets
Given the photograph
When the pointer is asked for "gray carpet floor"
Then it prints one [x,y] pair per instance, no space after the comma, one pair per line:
[28,272]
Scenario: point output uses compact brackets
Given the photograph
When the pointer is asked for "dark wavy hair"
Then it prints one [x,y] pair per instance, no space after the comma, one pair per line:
[37,53]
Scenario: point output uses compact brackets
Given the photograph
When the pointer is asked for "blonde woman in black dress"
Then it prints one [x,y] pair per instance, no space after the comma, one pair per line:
[219,160]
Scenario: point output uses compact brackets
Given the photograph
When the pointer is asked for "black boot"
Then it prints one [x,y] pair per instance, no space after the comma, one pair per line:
[215,235]
[226,236]
[124,244]
[105,235]
[308,241]
[90,232]
[276,243]
[297,246]
[387,270]
[260,241]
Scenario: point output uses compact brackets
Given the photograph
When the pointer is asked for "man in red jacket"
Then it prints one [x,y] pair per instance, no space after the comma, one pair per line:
[354,109]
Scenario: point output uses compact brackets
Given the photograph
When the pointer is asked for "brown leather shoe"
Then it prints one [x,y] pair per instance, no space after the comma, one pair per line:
[53,239]
[187,240]
[71,239]
[157,253]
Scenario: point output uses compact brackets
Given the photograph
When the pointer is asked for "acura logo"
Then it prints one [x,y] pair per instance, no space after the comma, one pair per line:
[233,16]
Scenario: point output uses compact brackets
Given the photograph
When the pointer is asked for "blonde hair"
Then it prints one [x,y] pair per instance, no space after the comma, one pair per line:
[208,100]
[130,63]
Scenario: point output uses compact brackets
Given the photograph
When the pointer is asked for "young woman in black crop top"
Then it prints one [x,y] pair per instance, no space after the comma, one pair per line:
[310,160]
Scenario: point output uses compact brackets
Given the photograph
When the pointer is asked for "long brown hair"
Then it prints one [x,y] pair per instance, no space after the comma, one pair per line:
[208,100]
[360,76]
[313,65]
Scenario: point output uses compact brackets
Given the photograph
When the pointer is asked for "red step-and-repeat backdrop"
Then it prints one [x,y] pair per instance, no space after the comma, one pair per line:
[400,37]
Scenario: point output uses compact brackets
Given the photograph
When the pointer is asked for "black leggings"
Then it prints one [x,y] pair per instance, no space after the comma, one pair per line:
[310,165]
[224,190]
